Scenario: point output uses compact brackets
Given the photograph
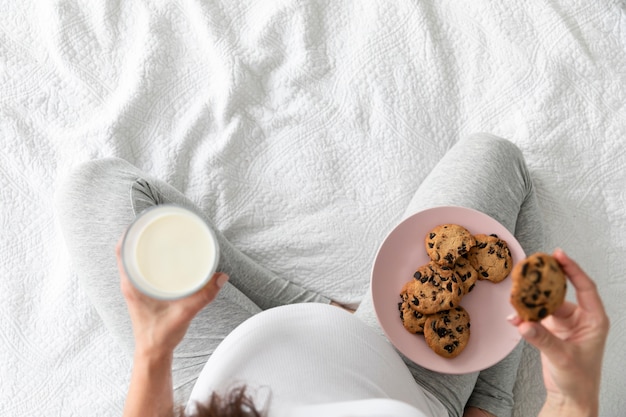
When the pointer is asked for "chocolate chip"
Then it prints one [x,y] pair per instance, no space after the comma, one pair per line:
[482,245]
[449,286]
[442,332]
[484,274]
[459,329]
[525,269]
[417,275]
[449,348]
[430,245]
[415,301]
[542,312]
[449,257]
[432,235]
[493,235]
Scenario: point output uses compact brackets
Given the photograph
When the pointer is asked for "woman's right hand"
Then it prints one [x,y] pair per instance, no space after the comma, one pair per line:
[571,342]
[159,325]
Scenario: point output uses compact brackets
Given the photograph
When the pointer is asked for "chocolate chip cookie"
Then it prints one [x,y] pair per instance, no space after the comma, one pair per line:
[446,242]
[433,288]
[538,288]
[491,257]
[448,332]
[412,320]
[465,273]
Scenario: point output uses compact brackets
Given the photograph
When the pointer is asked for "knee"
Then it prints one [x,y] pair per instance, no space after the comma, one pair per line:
[494,142]
[89,177]
[496,147]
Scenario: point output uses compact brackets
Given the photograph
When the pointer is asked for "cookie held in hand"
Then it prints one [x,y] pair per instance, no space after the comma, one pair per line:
[538,288]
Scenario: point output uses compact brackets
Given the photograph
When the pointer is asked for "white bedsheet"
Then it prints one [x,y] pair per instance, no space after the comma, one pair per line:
[302,128]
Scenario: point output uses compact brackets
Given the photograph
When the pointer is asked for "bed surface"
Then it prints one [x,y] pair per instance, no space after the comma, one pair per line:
[303,129]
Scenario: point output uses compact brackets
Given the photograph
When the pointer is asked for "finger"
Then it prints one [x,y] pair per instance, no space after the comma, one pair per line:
[514,319]
[565,311]
[208,293]
[128,289]
[550,345]
[586,290]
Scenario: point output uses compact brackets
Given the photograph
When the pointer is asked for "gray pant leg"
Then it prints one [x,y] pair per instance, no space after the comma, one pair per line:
[488,174]
[96,204]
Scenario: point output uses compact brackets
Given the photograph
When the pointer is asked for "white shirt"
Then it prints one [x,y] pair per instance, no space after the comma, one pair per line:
[306,360]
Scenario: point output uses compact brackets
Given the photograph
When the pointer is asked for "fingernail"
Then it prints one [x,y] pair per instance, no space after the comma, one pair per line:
[514,319]
[221,280]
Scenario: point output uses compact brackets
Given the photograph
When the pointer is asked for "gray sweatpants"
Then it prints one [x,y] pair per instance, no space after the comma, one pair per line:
[102,197]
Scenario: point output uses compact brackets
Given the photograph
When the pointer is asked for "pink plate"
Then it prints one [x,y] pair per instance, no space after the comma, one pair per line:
[402,252]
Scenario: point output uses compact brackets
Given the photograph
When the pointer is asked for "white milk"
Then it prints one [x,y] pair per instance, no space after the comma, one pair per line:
[169,252]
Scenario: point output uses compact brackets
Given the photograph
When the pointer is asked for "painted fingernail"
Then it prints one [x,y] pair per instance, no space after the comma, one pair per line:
[221,280]
[513,319]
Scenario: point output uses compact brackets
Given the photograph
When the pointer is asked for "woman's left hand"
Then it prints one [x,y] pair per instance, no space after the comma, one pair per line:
[160,325]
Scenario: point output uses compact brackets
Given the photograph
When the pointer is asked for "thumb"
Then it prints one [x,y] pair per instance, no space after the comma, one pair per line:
[537,335]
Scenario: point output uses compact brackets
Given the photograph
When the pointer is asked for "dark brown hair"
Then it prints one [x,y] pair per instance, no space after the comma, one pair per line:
[235,403]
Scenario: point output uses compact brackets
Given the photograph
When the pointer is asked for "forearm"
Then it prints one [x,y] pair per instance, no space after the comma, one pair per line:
[476,412]
[150,391]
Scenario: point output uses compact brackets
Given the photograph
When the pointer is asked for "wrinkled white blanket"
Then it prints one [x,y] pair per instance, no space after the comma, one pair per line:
[303,128]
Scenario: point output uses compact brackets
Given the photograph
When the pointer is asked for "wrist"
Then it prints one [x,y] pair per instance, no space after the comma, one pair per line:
[153,357]
[563,406]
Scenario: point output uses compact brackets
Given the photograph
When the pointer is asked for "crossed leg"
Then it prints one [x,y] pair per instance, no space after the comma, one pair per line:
[488,174]
[95,205]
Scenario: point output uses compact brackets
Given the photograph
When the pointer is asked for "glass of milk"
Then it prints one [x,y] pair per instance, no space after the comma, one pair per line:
[169,252]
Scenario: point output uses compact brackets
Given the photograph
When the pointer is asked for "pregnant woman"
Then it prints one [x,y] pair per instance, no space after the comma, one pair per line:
[252,343]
